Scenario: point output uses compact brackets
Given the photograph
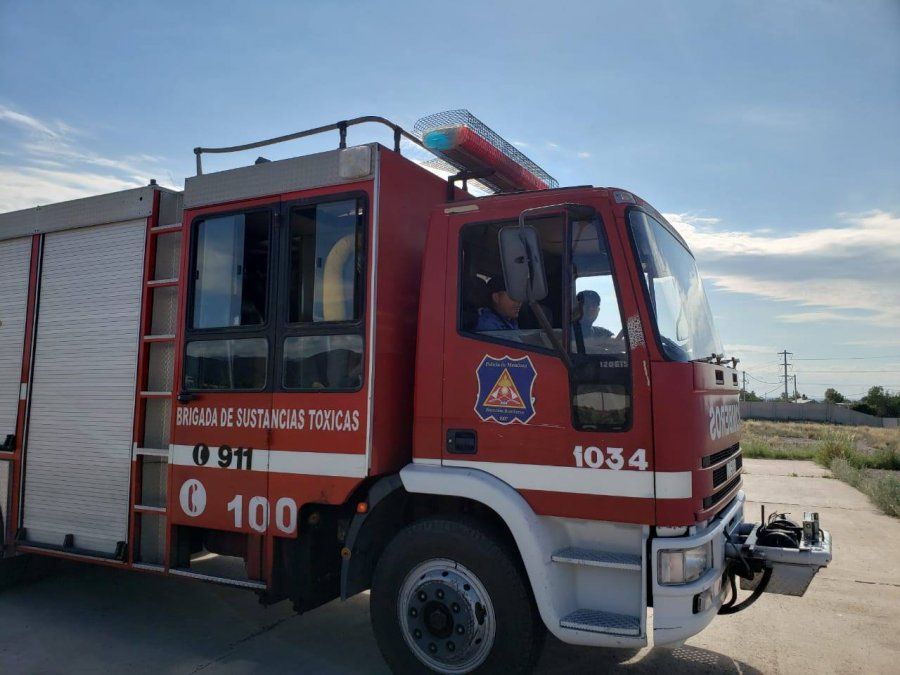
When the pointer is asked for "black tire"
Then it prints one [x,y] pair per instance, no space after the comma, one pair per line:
[518,629]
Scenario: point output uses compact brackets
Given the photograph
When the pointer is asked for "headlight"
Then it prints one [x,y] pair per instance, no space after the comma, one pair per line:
[681,566]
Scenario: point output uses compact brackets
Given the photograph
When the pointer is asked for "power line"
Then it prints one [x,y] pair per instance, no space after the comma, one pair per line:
[848,358]
[843,372]
[855,384]
[763,381]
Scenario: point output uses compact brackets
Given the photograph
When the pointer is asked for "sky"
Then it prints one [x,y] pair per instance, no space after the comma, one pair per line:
[767,132]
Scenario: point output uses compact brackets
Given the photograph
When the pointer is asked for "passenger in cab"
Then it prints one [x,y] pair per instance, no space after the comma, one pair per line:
[589,308]
[503,312]
[588,338]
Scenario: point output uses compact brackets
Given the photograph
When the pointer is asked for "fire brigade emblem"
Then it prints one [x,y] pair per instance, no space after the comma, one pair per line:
[504,390]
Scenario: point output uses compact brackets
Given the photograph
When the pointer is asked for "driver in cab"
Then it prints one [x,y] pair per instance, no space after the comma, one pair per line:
[503,312]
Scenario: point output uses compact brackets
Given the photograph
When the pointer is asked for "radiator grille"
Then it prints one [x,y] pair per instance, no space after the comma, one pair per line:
[720,475]
[718,495]
[717,457]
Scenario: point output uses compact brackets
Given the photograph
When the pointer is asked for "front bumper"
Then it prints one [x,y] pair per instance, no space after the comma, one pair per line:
[680,611]
[684,610]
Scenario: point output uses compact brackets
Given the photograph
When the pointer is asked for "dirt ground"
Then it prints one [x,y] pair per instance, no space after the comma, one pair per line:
[92,620]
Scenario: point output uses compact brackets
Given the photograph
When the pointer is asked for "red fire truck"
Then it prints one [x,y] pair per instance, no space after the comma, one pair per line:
[315,376]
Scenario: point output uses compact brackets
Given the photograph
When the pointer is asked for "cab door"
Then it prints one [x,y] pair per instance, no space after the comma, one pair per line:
[575,441]
[318,441]
[222,421]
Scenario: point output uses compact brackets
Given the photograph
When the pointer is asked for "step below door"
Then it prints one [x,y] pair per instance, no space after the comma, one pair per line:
[78,456]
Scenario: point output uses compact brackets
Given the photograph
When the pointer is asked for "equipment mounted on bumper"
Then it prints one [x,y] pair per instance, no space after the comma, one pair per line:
[778,556]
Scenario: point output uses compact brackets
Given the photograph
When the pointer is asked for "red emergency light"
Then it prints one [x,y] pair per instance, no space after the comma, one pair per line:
[461,139]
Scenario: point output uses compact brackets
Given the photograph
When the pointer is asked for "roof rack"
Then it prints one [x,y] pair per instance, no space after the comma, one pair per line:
[481,156]
[341,127]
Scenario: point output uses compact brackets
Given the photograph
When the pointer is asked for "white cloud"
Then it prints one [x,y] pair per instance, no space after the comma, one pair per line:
[583,155]
[869,300]
[809,317]
[48,164]
[831,274]
[866,231]
[22,188]
[750,349]
[29,123]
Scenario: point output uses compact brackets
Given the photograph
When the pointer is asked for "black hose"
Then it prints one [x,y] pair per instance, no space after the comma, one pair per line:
[731,608]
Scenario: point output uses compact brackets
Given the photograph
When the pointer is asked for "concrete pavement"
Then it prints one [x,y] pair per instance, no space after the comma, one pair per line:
[91,619]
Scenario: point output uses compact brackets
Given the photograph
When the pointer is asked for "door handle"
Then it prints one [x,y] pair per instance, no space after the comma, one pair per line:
[462,441]
[186,397]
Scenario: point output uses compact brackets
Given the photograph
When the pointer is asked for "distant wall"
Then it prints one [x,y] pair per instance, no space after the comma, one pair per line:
[811,412]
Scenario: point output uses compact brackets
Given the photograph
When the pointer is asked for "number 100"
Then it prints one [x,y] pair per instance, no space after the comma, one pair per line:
[258,513]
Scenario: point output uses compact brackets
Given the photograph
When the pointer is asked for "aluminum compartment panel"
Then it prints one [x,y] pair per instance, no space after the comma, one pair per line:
[115,207]
[78,456]
[269,178]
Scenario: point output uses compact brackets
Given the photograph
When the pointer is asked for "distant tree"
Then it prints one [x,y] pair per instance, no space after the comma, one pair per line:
[832,395]
[859,406]
[882,403]
[750,396]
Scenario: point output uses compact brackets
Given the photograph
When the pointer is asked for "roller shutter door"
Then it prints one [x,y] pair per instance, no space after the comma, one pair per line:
[15,259]
[78,457]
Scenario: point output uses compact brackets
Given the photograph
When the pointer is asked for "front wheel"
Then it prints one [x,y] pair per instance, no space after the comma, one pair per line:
[449,598]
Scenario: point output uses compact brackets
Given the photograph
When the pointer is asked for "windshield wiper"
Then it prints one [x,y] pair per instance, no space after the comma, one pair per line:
[712,358]
[718,359]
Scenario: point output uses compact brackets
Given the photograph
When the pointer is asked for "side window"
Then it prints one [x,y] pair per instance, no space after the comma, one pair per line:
[596,317]
[322,348]
[231,270]
[601,377]
[227,347]
[485,309]
[226,364]
[324,262]
[582,305]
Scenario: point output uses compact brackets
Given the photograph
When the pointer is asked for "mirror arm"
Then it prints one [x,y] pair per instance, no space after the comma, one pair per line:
[548,330]
[538,311]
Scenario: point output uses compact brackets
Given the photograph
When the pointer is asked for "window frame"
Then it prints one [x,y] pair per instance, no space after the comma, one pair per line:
[265,330]
[569,283]
[482,337]
[567,299]
[287,329]
[645,290]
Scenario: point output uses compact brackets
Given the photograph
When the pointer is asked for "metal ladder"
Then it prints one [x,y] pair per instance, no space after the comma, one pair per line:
[155,394]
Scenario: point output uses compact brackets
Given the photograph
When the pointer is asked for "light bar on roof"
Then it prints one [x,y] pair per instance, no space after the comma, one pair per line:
[464,141]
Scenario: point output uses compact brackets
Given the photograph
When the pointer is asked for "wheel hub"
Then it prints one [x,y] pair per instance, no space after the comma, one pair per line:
[446,616]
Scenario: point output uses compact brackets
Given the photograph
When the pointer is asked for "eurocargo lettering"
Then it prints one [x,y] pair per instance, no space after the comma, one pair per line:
[504,414]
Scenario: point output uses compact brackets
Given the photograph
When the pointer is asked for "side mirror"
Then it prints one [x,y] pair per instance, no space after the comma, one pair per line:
[523,263]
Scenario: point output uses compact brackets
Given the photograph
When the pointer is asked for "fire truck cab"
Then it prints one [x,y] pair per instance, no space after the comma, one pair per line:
[338,372]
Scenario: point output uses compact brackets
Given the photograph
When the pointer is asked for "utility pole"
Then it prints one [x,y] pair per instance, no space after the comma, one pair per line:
[744,387]
[785,354]
[796,395]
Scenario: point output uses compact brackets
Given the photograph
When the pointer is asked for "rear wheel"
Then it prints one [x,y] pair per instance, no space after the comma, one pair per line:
[447,597]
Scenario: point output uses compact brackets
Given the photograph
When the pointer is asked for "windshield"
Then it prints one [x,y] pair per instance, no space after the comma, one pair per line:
[683,317]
